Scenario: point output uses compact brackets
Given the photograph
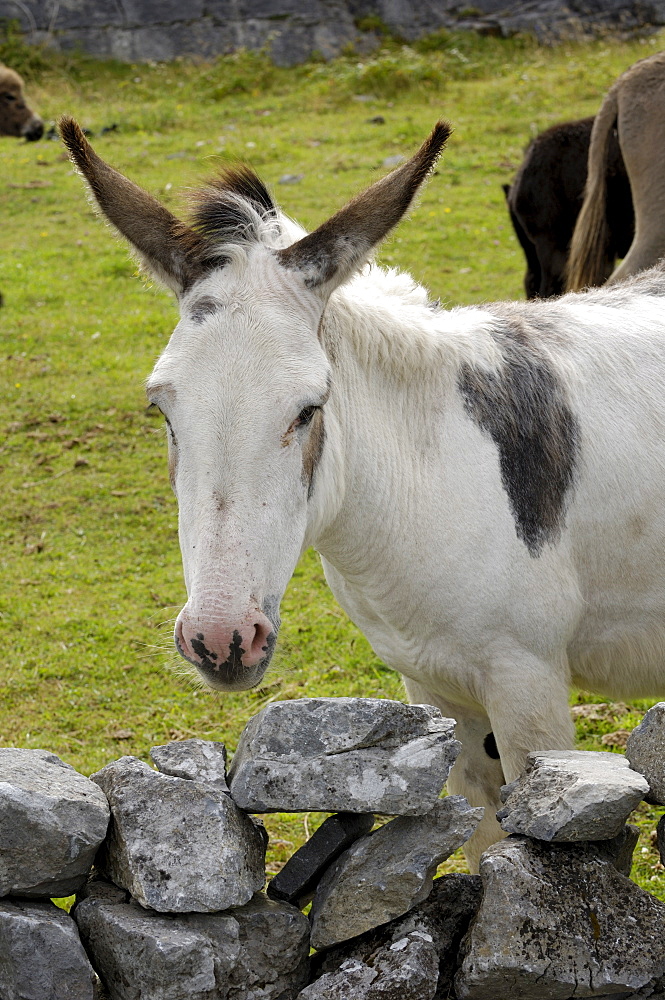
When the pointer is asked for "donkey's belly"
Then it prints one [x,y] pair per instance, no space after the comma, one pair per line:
[624,659]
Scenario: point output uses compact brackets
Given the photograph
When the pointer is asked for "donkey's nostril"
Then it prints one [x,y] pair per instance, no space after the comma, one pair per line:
[261,641]
[181,642]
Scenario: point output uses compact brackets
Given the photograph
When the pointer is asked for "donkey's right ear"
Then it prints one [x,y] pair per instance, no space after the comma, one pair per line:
[328,256]
[166,247]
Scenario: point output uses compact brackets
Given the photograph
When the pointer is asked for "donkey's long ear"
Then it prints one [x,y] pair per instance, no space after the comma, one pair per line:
[165,246]
[336,249]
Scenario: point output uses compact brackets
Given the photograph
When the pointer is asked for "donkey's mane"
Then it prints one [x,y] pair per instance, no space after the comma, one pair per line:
[234,209]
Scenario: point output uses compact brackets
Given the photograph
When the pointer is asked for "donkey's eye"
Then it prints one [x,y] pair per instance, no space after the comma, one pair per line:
[305,415]
[8,97]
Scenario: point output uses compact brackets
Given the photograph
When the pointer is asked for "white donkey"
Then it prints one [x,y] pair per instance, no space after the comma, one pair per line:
[486,485]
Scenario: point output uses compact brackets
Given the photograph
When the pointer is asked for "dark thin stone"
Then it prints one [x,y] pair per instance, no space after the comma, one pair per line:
[297,881]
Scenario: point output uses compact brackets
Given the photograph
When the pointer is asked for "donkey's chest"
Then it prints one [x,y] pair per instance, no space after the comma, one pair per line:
[438,623]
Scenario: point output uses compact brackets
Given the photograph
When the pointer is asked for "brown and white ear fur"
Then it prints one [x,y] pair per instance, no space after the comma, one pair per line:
[166,247]
[329,255]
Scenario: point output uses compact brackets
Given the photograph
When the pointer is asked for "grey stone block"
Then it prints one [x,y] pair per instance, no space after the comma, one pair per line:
[385,874]
[254,952]
[645,750]
[352,980]
[41,955]
[100,888]
[178,845]
[298,879]
[619,850]
[343,755]
[572,795]
[556,920]
[52,820]
[445,916]
[407,969]
[197,760]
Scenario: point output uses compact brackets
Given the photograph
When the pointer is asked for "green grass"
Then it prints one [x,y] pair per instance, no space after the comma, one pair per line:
[89,552]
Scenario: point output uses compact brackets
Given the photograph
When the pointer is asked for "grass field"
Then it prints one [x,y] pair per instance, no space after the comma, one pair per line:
[90,560]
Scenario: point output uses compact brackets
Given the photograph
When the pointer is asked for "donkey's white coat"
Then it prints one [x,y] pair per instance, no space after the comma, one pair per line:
[408,510]
[408,507]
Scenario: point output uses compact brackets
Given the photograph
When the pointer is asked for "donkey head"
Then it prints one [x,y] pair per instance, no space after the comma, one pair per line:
[243,384]
[16,118]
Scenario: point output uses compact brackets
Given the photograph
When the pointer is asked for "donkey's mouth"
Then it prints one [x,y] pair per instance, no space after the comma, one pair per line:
[232,674]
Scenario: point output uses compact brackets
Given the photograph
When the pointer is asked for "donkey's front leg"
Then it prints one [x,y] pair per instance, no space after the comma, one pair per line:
[526,698]
[477,772]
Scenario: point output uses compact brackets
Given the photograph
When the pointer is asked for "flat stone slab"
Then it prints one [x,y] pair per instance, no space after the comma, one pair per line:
[52,820]
[178,845]
[407,969]
[41,955]
[645,750]
[572,795]
[386,873]
[444,916]
[258,951]
[297,881]
[557,921]
[197,760]
[343,755]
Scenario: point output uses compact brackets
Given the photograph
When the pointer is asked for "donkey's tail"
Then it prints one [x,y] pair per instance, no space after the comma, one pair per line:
[590,260]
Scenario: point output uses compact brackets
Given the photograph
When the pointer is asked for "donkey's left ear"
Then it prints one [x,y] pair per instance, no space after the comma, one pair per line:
[330,255]
[166,247]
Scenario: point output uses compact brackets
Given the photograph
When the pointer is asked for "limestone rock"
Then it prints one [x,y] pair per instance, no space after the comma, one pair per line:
[619,850]
[298,879]
[572,795]
[197,760]
[291,32]
[52,820]
[407,969]
[444,916]
[645,750]
[100,888]
[253,952]
[555,920]
[389,871]
[178,845]
[41,955]
[343,755]
[352,980]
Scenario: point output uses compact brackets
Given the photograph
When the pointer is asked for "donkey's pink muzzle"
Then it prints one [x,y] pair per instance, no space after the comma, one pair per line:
[228,657]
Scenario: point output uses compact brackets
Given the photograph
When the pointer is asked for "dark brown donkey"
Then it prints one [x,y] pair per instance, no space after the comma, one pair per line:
[16,118]
[546,196]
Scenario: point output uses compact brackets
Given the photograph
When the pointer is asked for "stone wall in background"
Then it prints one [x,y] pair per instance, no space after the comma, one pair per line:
[291,30]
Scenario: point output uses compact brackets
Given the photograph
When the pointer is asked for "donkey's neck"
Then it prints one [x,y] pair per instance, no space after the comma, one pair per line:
[395,360]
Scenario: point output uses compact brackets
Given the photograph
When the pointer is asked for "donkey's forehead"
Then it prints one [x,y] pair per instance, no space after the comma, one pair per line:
[253,276]
[249,315]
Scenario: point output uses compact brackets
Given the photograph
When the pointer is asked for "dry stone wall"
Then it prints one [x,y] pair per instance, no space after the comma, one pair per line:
[174,908]
[292,30]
